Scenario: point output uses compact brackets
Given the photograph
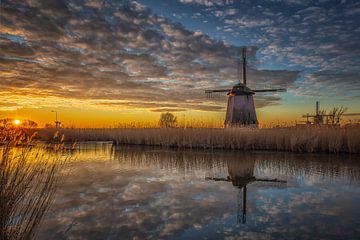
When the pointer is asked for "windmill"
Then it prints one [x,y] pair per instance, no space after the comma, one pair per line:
[241,174]
[332,118]
[240,107]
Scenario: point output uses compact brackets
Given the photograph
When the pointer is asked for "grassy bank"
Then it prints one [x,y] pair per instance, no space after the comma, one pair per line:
[28,180]
[322,139]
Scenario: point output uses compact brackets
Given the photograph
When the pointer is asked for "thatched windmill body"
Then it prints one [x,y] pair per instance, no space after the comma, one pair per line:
[240,107]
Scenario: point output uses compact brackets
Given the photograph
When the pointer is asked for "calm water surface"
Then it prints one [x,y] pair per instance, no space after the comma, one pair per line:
[111,192]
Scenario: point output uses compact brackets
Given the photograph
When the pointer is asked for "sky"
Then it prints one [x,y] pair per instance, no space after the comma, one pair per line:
[101,63]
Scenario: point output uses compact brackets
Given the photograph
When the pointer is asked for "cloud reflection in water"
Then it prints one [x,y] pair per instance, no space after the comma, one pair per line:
[146,193]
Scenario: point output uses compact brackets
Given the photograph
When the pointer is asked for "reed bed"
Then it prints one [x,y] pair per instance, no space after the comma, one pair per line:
[295,139]
[28,181]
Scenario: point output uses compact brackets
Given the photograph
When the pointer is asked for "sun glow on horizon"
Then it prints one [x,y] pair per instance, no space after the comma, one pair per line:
[17,122]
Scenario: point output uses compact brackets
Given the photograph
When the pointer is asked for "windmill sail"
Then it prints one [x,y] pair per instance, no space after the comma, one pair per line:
[244,65]
[271,90]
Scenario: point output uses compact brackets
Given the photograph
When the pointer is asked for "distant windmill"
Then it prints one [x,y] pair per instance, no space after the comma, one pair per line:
[240,108]
[332,118]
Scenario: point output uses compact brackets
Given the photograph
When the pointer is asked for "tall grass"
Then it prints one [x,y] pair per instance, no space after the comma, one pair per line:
[27,184]
[295,139]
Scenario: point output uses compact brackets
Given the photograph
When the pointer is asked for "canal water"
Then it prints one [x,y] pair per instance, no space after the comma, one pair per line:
[109,192]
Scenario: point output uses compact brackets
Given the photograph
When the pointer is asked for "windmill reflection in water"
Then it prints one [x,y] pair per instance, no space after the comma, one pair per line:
[241,174]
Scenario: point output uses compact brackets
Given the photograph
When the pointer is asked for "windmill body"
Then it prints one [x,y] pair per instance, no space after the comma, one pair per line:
[240,107]
[240,110]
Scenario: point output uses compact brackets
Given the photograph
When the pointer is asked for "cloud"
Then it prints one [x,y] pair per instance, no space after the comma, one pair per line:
[114,51]
[332,84]
[246,22]
[208,3]
[306,36]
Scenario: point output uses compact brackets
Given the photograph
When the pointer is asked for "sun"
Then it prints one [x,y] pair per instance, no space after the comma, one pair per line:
[17,122]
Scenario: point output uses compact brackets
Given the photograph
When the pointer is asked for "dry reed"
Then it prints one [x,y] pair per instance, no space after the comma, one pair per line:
[295,139]
[27,184]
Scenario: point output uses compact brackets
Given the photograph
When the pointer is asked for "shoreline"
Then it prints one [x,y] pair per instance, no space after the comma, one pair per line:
[310,140]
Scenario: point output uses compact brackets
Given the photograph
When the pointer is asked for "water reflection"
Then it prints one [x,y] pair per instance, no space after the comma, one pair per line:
[149,193]
[241,173]
[304,168]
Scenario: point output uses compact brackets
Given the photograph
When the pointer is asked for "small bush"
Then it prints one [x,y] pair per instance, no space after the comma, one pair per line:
[167,120]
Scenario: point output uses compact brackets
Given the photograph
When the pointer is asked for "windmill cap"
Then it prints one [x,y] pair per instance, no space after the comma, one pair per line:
[241,89]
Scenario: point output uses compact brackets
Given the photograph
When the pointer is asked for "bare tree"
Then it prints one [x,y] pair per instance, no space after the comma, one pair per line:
[336,113]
